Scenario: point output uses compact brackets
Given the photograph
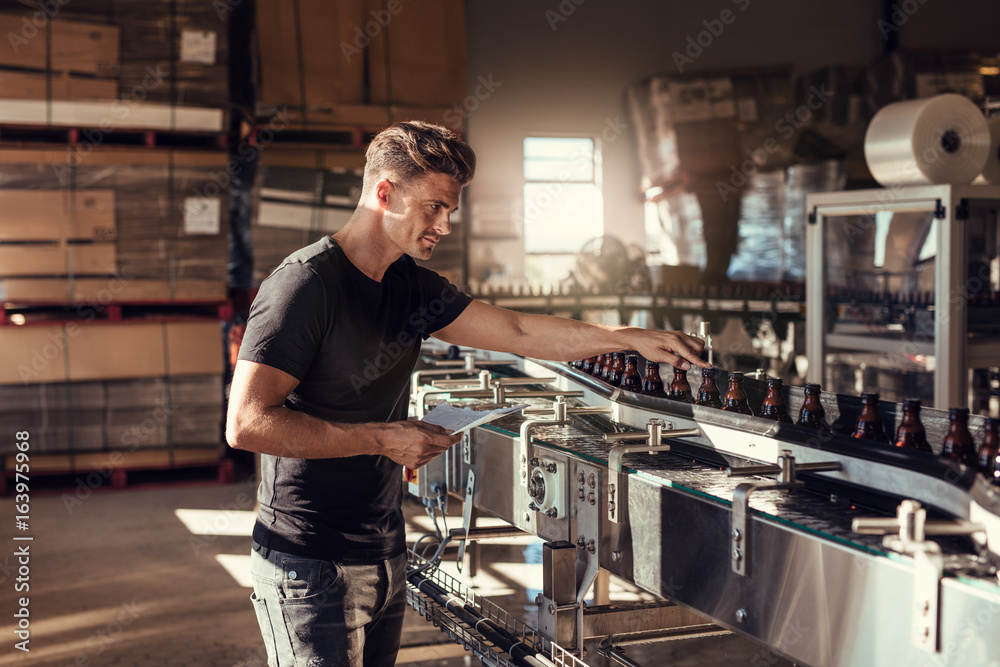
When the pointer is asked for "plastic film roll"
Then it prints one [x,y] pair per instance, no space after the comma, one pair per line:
[991,172]
[942,139]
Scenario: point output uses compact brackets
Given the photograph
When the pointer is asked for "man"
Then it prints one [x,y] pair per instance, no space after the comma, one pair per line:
[321,391]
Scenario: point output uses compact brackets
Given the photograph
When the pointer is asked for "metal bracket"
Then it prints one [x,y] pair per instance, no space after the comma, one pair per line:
[962,210]
[939,212]
[467,448]
[559,412]
[656,431]
[470,489]
[907,534]
[739,535]
[527,427]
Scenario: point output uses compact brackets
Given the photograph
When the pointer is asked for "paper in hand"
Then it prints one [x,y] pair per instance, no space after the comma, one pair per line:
[456,420]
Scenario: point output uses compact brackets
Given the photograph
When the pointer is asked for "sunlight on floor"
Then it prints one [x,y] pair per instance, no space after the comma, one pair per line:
[238,568]
[217,522]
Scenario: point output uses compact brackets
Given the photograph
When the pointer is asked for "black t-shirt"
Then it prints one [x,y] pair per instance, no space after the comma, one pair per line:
[352,343]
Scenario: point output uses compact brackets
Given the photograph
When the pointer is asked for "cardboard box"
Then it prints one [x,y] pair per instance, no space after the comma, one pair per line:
[312,158]
[308,58]
[427,51]
[32,86]
[57,215]
[57,259]
[91,48]
[60,46]
[25,43]
[79,352]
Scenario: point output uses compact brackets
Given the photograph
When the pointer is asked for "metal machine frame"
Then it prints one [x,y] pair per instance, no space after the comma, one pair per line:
[954,356]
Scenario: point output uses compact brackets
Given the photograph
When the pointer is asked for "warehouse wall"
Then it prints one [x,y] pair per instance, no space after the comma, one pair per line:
[562,66]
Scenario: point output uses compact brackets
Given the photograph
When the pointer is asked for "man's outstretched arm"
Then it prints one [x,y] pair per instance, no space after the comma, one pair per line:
[258,421]
[559,339]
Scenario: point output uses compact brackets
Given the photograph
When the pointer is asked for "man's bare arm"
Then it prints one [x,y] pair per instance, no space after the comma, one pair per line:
[257,421]
[559,339]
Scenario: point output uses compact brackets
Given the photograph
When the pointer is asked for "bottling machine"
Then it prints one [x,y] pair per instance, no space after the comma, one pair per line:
[829,550]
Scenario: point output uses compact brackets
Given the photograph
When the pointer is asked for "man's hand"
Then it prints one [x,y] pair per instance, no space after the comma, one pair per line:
[414,443]
[672,347]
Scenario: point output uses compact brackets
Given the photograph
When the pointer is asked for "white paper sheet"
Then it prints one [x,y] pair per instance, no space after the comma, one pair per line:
[456,420]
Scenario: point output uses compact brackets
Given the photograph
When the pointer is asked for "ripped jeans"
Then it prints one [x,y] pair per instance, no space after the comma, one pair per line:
[317,613]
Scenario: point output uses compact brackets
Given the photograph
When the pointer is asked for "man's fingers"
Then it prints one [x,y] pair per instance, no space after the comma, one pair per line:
[689,357]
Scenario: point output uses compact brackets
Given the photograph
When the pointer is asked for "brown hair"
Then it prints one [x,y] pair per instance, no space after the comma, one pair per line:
[414,148]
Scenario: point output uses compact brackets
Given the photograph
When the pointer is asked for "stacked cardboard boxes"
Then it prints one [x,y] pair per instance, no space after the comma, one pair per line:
[155,220]
[362,62]
[85,387]
[107,208]
[350,67]
[96,63]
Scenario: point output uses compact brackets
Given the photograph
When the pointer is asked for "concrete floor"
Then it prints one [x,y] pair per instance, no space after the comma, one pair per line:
[158,577]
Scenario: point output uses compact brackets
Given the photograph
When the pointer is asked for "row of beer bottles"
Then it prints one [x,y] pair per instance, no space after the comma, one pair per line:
[958,444]
[622,371]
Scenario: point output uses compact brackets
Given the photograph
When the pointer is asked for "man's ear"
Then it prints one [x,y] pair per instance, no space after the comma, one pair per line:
[383,190]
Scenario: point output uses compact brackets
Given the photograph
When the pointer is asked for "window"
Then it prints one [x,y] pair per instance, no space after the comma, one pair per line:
[563,203]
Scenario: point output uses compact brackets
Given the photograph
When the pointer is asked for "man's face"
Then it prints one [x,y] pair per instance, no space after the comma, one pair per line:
[418,213]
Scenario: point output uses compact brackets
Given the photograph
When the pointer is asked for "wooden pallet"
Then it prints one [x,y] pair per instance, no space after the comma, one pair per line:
[112,470]
[26,135]
[109,117]
[145,311]
[84,292]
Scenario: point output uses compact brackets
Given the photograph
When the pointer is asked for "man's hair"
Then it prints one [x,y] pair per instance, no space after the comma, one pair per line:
[412,149]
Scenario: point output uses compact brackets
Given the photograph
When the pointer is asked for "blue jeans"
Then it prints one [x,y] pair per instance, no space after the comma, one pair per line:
[317,613]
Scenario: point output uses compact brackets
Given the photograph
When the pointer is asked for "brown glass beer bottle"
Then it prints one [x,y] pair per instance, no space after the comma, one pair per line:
[708,393]
[617,369]
[812,414]
[631,380]
[602,367]
[679,389]
[588,365]
[958,443]
[774,406]
[735,399]
[990,450]
[911,433]
[652,385]
[869,425]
